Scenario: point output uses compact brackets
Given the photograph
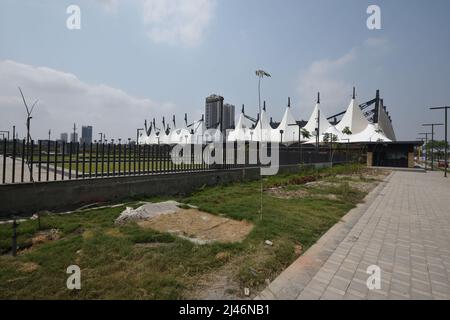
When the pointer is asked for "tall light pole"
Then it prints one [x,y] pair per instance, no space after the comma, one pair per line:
[426,143]
[261,74]
[446,138]
[432,125]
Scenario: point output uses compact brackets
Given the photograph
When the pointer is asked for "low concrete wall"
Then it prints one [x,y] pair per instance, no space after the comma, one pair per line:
[29,198]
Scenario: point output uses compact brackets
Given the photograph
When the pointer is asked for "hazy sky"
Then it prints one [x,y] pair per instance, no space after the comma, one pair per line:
[140,59]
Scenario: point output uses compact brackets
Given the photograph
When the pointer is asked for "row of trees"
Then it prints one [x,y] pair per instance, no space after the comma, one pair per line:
[438,147]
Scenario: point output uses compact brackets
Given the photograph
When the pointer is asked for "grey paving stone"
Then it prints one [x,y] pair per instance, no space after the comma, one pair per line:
[404,228]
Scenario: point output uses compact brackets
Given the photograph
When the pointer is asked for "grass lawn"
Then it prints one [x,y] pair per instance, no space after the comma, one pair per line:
[116,264]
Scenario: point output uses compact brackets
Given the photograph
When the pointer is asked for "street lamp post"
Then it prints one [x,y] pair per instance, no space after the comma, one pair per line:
[426,143]
[260,74]
[446,138]
[432,125]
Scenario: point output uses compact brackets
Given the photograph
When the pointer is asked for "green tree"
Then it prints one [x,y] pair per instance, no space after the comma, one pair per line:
[347,131]
[305,133]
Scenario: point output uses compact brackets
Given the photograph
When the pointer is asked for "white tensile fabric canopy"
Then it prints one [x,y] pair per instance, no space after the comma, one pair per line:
[262,131]
[361,129]
[242,131]
[287,131]
[353,119]
[311,126]
[372,133]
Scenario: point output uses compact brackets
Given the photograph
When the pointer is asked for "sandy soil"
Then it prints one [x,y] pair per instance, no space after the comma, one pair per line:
[199,227]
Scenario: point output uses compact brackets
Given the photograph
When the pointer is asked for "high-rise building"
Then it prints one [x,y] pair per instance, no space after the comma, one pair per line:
[86,134]
[214,104]
[64,137]
[228,116]
[74,137]
[213,107]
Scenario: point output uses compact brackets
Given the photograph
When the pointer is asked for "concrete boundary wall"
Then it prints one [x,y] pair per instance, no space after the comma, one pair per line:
[29,198]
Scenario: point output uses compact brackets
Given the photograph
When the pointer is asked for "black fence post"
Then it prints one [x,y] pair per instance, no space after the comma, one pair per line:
[114,159]
[23,161]
[152,154]
[63,169]
[96,159]
[148,158]
[48,160]
[39,159]
[70,159]
[55,162]
[103,159]
[77,159]
[31,162]
[120,155]
[107,161]
[90,159]
[129,160]
[4,162]
[134,158]
[83,172]
[13,177]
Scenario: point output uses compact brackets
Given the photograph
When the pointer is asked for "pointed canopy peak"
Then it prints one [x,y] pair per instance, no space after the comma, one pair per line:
[185,118]
[243,108]
[174,121]
[289,102]
[318,97]
[354,93]
[264,105]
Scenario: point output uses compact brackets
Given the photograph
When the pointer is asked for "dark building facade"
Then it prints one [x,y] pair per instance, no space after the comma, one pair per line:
[214,107]
[86,134]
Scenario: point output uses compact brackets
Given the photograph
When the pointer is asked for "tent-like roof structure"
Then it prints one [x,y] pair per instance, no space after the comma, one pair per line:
[353,118]
[372,133]
[288,130]
[361,129]
[262,131]
[317,113]
[242,129]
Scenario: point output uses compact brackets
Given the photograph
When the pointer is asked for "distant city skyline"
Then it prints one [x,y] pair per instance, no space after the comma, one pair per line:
[147,59]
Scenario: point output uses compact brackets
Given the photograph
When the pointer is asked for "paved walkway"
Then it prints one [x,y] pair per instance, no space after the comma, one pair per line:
[26,171]
[403,227]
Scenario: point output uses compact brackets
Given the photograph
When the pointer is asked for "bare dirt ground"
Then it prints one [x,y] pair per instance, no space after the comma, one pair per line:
[199,227]
[365,181]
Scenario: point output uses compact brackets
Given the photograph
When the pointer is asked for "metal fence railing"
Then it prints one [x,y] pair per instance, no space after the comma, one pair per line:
[23,162]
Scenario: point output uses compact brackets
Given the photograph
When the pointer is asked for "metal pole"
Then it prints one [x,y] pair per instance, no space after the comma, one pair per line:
[432,147]
[446,144]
